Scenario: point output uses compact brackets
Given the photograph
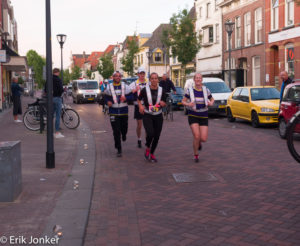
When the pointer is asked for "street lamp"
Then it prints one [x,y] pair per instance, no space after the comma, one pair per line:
[149,55]
[229,25]
[50,155]
[61,38]
[32,82]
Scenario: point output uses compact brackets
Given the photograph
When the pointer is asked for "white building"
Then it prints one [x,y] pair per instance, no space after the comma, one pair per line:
[209,26]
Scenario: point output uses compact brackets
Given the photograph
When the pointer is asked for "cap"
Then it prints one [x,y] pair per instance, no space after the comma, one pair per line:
[106,80]
[141,70]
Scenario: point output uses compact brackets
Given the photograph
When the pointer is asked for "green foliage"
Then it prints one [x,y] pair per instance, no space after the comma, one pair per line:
[20,80]
[127,61]
[67,77]
[89,73]
[106,66]
[181,38]
[37,62]
[76,73]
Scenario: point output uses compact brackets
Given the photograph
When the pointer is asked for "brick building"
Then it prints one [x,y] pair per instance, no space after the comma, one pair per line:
[248,41]
[283,40]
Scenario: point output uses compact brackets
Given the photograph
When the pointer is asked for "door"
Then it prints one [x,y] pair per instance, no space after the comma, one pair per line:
[244,104]
[235,101]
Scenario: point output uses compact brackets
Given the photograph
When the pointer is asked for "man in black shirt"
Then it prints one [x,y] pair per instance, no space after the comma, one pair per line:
[167,84]
[285,81]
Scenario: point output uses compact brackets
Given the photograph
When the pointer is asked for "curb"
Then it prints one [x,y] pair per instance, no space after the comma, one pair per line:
[72,208]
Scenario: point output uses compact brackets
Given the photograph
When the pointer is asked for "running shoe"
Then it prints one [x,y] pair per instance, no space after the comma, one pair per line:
[196,158]
[139,144]
[147,154]
[119,153]
[153,158]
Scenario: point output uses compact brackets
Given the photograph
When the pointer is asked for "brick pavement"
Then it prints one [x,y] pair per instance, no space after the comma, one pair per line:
[245,190]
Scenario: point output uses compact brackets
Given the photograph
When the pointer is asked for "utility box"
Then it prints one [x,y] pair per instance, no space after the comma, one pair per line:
[10,171]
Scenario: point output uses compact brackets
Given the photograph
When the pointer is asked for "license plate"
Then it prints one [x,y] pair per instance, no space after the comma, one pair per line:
[221,106]
[91,99]
[179,103]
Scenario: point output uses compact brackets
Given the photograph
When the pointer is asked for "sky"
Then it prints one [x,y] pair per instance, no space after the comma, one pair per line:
[90,25]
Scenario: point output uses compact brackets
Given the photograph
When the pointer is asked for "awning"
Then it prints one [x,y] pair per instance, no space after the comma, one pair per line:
[16,64]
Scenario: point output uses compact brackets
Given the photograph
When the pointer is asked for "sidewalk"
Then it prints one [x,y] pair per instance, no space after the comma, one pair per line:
[43,190]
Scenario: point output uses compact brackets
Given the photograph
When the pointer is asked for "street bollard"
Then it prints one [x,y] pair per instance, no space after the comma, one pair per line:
[10,171]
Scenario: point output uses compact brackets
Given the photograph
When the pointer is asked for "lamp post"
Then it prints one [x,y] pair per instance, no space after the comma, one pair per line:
[50,155]
[149,55]
[61,38]
[229,25]
[32,82]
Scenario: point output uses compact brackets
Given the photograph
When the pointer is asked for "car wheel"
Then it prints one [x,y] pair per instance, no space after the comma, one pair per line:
[282,128]
[230,118]
[254,119]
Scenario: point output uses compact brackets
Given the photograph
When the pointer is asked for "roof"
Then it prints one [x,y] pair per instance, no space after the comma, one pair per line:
[80,55]
[109,50]
[155,40]
[145,35]
[192,13]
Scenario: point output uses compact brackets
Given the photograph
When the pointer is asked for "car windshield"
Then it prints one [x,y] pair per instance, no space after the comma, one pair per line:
[179,91]
[89,85]
[217,87]
[264,94]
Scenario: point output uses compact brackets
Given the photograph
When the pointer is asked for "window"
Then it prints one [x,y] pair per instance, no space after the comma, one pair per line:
[216,4]
[258,25]
[244,96]
[290,60]
[236,94]
[200,12]
[217,33]
[208,10]
[174,60]
[157,57]
[274,14]
[289,12]
[238,32]
[208,35]
[247,29]
[256,70]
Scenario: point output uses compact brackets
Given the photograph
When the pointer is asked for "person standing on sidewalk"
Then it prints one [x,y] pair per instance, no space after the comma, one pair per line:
[197,99]
[116,95]
[136,88]
[57,101]
[285,81]
[16,91]
[154,99]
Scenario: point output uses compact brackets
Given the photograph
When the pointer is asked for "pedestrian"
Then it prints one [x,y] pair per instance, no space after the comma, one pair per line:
[16,91]
[285,81]
[197,99]
[136,88]
[57,101]
[116,95]
[167,84]
[154,99]
[103,87]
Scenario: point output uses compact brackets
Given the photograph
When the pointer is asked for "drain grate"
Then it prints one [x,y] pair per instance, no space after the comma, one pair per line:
[194,177]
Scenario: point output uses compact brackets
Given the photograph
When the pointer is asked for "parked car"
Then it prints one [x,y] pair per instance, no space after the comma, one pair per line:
[257,104]
[219,90]
[290,105]
[177,98]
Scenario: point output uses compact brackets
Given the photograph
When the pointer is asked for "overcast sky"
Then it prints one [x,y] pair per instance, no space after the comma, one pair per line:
[90,25]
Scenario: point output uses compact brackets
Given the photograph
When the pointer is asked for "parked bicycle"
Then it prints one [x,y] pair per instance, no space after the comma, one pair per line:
[293,136]
[36,112]
[168,111]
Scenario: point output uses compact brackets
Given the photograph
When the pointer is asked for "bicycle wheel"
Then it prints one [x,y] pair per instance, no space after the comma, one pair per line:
[31,119]
[293,136]
[70,118]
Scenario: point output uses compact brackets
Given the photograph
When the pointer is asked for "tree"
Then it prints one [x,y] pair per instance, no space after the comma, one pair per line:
[127,61]
[67,77]
[76,73]
[182,39]
[37,62]
[106,66]
[89,73]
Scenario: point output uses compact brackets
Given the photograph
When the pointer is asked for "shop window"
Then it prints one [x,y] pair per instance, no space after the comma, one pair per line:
[290,60]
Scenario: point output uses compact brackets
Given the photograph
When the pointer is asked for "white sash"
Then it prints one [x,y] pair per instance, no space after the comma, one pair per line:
[113,93]
[192,97]
[150,102]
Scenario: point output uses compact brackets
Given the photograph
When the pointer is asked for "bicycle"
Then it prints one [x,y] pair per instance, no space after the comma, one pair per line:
[293,136]
[34,118]
[168,111]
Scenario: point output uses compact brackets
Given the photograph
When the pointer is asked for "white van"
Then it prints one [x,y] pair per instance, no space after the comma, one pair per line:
[85,91]
[219,90]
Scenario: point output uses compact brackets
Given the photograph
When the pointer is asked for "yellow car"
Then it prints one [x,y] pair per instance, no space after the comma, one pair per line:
[257,104]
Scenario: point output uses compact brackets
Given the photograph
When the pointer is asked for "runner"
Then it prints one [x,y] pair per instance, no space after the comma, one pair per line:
[136,88]
[154,99]
[116,95]
[197,99]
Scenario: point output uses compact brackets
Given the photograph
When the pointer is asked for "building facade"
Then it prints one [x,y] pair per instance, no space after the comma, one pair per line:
[283,36]
[247,42]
